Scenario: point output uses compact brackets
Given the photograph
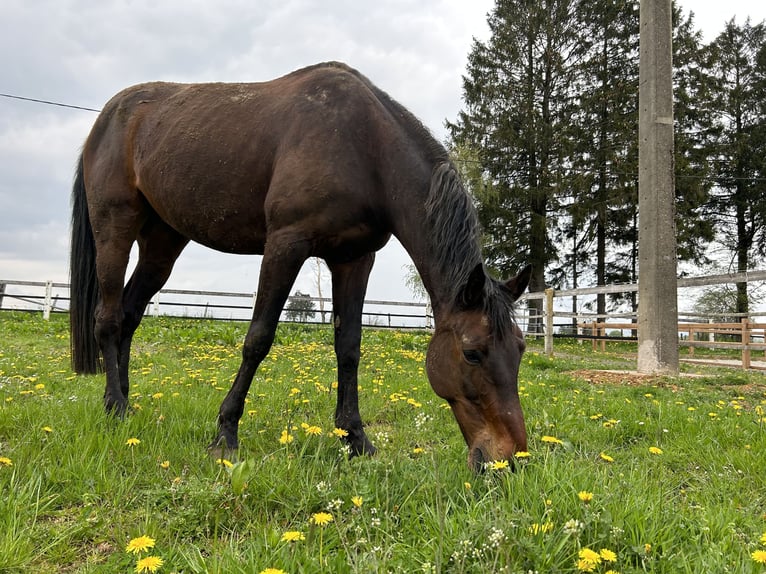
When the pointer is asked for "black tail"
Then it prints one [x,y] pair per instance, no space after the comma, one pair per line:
[83,286]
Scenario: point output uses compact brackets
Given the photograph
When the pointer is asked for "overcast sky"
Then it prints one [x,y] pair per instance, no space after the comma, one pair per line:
[82,52]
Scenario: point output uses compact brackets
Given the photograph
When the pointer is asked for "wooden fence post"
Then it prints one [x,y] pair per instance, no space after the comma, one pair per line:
[2,293]
[48,300]
[745,343]
[549,323]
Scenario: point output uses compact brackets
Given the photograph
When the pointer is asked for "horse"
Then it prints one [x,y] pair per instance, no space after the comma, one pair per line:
[317,163]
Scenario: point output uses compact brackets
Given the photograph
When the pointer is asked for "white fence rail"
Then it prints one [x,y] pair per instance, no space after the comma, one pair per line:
[51,297]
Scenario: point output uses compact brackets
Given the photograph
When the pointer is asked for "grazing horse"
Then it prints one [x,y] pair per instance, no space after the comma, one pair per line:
[318,163]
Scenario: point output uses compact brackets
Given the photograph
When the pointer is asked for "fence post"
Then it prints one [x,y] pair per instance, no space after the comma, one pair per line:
[692,334]
[549,323]
[2,293]
[745,343]
[48,300]
[429,315]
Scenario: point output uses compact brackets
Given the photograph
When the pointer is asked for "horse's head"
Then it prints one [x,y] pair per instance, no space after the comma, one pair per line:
[473,362]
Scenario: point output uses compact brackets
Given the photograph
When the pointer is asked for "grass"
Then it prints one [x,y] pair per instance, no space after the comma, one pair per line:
[73,492]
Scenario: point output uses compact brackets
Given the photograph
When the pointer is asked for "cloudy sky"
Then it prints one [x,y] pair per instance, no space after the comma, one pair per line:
[82,52]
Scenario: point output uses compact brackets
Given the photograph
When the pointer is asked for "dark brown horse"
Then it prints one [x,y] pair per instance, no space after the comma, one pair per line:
[319,163]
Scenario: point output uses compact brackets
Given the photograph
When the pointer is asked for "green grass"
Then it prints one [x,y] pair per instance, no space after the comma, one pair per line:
[73,493]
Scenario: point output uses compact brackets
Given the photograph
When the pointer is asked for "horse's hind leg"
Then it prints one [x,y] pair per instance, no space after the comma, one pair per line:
[282,260]
[159,246]
[349,285]
[112,255]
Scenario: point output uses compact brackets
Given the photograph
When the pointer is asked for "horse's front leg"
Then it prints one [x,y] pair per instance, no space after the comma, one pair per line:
[349,285]
[281,263]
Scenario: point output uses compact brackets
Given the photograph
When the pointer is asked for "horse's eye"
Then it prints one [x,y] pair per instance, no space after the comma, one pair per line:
[472,356]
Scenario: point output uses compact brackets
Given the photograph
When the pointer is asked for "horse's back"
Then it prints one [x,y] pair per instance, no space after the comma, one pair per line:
[225,163]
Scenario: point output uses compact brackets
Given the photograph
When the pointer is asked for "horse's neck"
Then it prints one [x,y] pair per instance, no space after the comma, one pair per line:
[443,247]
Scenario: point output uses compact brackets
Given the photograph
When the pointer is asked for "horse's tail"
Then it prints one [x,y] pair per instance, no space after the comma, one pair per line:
[83,286]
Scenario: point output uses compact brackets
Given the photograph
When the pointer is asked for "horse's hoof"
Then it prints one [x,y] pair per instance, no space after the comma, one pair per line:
[222,447]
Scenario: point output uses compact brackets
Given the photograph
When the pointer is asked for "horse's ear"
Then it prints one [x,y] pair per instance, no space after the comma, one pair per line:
[471,295]
[517,285]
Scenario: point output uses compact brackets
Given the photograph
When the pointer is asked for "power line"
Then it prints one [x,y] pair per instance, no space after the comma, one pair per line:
[49,103]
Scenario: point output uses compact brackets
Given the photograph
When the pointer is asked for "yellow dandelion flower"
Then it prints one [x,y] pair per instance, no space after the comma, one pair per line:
[47,429]
[605,457]
[497,464]
[340,433]
[586,565]
[552,440]
[224,462]
[607,555]
[5,461]
[522,454]
[418,450]
[611,572]
[759,556]
[763,538]
[293,536]
[165,464]
[647,548]
[655,450]
[357,501]
[321,518]
[589,560]
[543,528]
[585,496]
[149,564]
[140,544]
[313,430]
[272,571]
[157,396]
[133,441]
[467,485]
[286,437]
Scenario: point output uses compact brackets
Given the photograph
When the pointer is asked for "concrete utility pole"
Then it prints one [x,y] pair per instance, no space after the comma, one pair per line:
[657,284]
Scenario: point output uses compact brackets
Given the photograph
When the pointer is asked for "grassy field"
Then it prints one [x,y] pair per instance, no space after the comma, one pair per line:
[624,475]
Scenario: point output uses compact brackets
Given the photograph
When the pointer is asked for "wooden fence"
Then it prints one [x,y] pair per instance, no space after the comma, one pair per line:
[51,297]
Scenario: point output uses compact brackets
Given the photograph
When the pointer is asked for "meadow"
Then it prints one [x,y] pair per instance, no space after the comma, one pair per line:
[664,475]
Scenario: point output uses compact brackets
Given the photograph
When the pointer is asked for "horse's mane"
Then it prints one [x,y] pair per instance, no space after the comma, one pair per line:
[456,244]
[450,214]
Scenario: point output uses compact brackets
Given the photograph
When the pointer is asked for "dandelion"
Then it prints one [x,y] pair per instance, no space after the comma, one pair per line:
[272,571]
[543,528]
[418,450]
[497,465]
[585,496]
[647,548]
[224,462]
[47,430]
[357,501]
[165,464]
[340,433]
[286,437]
[763,538]
[132,441]
[5,461]
[759,556]
[467,485]
[149,564]
[140,544]
[321,518]
[655,450]
[588,560]
[313,430]
[552,440]
[607,555]
[605,457]
[522,454]
[293,536]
